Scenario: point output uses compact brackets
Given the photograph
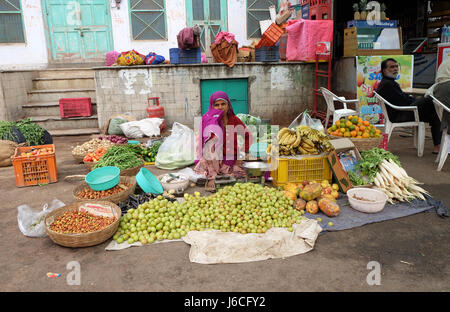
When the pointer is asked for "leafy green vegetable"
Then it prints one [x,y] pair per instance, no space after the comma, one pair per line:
[370,159]
[33,133]
[6,130]
[355,178]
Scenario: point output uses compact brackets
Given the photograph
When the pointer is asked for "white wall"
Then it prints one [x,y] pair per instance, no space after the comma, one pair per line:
[33,53]
[121,27]
[237,21]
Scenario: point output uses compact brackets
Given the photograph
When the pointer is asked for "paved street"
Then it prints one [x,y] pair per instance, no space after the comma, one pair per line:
[413,251]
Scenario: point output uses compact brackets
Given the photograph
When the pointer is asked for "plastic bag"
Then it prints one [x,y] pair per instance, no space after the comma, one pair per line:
[132,130]
[191,174]
[151,126]
[31,222]
[114,126]
[249,119]
[307,121]
[177,150]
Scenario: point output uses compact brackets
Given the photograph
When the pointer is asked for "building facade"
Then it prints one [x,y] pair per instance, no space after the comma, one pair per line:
[36,34]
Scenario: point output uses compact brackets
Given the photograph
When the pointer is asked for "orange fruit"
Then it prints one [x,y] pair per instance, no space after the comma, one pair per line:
[362,128]
[366,123]
[353,134]
[356,128]
[365,135]
[359,137]
[342,130]
[360,120]
[360,133]
[347,134]
[348,124]
[340,134]
[378,131]
[338,124]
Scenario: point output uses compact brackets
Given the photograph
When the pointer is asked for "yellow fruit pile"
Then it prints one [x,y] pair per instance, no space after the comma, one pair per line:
[314,196]
[354,127]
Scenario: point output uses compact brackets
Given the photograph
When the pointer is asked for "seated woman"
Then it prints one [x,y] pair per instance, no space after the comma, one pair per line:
[218,147]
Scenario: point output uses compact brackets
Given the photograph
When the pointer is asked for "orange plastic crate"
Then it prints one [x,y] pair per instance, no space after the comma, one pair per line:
[34,170]
[270,36]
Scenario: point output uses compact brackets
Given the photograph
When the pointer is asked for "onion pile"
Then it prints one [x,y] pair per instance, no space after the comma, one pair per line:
[242,208]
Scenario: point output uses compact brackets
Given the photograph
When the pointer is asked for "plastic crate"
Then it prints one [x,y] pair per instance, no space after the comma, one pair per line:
[75,107]
[180,56]
[271,36]
[267,54]
[34,170]
[320,9]
[302,169]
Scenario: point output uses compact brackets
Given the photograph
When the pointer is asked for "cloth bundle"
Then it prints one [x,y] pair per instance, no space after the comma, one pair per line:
[225,49]
[130,58]
[153,59]
[189,38]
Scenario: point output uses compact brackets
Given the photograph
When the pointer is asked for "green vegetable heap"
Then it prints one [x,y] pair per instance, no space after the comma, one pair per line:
[33,133]
[368,165]
[120,156]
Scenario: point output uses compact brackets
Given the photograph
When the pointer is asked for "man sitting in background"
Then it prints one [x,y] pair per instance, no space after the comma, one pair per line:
[390,90]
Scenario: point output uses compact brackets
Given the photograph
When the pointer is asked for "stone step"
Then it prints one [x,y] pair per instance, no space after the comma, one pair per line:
[47,109]
[70,132]
[63,83]
[55,122]
[56,94]
[66,73]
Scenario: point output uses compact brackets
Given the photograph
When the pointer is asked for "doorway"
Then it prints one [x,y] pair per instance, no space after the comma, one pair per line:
[78,31]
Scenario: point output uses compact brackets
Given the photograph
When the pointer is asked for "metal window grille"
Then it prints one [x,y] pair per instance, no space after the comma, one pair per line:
[11,23]
[258,10]
[148,19]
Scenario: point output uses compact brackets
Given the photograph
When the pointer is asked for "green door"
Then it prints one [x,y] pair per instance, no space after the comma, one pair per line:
[237,90]
[78,29]
[210,15]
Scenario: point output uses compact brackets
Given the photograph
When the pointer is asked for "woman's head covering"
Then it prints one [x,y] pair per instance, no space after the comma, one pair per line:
[220,95]
[212,122]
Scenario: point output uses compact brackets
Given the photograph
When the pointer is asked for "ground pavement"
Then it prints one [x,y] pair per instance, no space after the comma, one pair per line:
[413,251]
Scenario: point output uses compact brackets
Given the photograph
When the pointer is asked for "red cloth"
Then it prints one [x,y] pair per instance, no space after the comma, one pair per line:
[187,39]
[303,35]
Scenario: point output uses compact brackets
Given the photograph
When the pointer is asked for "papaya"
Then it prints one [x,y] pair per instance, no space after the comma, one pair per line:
[292,187]
[290,195]
[312,207]
[328,196]
[311,191]
[328,207]
[300,204]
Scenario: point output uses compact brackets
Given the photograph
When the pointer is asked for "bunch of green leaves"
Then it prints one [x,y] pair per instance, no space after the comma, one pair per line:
[120,156]
[33,133]
[6,130]
[370,159]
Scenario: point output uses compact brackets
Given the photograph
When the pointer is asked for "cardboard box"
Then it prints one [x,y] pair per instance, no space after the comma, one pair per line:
[351,45]
[339,173]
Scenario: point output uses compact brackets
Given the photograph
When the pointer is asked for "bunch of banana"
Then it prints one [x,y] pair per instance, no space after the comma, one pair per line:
[288,141]
[308,147]
[313,141]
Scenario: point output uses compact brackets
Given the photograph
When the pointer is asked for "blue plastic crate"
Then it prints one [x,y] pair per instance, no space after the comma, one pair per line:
[268,54]
[179,56]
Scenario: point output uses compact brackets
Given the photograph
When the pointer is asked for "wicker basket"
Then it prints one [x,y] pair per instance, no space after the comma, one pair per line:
[78,158]
[124,172]
[89,164]
[131,171]
[116,198]
[363,144]
[84,239]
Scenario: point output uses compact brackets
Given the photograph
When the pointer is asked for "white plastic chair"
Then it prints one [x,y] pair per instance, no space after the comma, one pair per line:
[417,125]
[445,147]
[330,97]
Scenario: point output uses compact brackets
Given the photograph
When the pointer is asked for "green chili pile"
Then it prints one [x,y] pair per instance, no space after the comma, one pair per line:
[121,157]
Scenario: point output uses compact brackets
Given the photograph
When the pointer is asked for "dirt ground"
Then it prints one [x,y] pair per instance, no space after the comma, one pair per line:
[413,251]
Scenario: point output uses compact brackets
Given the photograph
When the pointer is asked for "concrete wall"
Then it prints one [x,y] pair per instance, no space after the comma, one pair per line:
[13,93]
[278,91]
[344,77]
